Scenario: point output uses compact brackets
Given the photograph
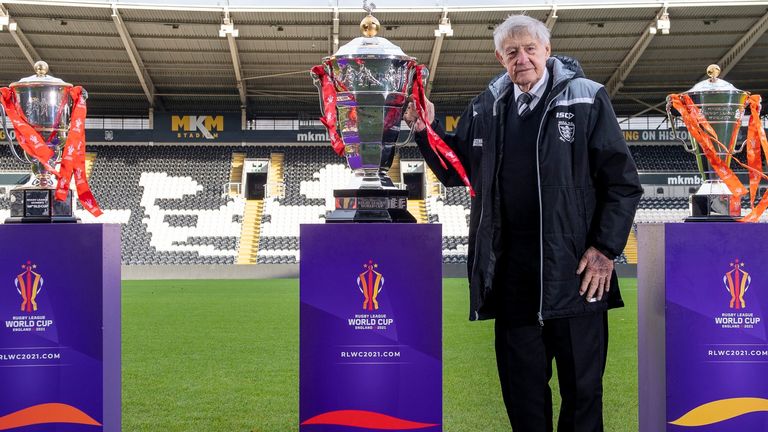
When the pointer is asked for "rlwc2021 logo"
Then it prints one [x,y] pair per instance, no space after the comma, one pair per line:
[370,283]
[29,284]
[737,282]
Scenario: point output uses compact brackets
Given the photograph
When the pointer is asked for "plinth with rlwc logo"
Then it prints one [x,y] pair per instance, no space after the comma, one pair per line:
[60,327]
[371,328]
[703,327]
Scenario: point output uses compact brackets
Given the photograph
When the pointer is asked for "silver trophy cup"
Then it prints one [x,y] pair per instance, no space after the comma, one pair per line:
[45,103]
[722,105]
[372,79]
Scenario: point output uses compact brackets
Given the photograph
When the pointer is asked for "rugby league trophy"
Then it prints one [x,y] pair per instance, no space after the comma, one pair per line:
[364,91]
[697,280]
[712,111]
[40,108]
[60,298]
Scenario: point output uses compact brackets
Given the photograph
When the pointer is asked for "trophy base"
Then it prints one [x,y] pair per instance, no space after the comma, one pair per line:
[370,205]
[711,208]
[34,205]
[712,218]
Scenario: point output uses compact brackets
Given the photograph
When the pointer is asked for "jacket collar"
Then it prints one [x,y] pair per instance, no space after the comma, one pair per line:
[561,67]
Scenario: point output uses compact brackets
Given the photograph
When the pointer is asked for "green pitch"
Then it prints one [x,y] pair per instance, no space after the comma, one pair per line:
[209,356]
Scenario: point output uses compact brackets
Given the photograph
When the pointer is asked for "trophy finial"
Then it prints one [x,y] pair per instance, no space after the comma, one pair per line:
[41,68]
[369,7]
[713,71]
[369,25]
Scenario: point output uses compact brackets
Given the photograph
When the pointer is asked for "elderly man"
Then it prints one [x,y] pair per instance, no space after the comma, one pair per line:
[556,193]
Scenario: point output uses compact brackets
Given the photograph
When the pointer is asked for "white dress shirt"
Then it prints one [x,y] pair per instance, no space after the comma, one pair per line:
[537,91]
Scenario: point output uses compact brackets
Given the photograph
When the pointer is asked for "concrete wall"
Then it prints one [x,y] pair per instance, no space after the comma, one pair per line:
[161,272]
[270,271]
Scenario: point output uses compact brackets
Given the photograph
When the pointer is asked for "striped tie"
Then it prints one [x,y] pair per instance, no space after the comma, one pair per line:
[523,109]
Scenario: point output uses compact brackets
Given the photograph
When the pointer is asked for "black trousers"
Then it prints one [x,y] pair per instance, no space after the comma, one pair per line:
[524,354]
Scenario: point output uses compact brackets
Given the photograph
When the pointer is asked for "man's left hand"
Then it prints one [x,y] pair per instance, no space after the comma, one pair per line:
[597,269]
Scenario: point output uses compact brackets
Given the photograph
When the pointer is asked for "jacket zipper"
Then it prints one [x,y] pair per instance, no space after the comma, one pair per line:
[482,208]
[541,217]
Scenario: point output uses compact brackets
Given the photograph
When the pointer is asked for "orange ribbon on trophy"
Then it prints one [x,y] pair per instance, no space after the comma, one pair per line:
[73,157]
[707,138]
[437,144]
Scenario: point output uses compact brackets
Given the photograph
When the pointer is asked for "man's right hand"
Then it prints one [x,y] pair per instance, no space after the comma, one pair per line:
[412,118]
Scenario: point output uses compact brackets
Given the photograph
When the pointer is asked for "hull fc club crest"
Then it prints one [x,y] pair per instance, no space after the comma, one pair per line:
[370,283]
[567,130]
[28,284]
[737,282]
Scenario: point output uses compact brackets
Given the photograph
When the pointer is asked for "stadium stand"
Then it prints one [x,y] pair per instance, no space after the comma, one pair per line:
[662,158]
[170,201]
[669,158]
[176,207]
[310,174]
[8,162]
[179,209]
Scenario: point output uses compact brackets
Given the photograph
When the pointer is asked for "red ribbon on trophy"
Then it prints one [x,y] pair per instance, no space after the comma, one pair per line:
[437,144]
[73,157]
[28,138]
[330,117]
[705,135]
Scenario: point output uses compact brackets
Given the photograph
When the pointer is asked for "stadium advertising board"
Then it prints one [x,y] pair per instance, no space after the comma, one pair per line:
[679,178]
[108,136]
[98,135]
[716,329]
[60,327]
[300,136]
[371,328]
[197,127]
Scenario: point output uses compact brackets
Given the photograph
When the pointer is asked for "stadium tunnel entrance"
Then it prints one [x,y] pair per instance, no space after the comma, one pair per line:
[412,176]
[255,178]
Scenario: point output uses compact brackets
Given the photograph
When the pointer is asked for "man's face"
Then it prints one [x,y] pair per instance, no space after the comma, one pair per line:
[525,59]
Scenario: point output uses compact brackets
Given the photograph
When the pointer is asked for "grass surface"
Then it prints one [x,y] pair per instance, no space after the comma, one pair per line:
[209,356]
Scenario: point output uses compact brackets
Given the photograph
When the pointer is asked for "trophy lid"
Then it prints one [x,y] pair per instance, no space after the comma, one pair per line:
[369,44]
[713,83]
[374,45]
[41,78]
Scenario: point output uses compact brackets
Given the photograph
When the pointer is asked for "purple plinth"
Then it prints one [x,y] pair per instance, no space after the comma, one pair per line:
[60,354]
[370,365]
[716,327]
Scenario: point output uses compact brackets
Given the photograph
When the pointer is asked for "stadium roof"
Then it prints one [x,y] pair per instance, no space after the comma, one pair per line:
[169,55]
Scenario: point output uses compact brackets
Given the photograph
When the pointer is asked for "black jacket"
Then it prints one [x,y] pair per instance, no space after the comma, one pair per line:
[588,187]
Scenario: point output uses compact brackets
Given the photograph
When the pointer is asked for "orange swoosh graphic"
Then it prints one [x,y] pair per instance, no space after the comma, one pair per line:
[46,413]
[365,419]
[721,410]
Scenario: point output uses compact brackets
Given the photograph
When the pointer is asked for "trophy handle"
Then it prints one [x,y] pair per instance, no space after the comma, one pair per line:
[689,146]
[740,147]
[412,76]
[408,139]
[319,85]
[10,140]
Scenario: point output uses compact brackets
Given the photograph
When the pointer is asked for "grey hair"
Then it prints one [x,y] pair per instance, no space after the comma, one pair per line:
[518,25]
